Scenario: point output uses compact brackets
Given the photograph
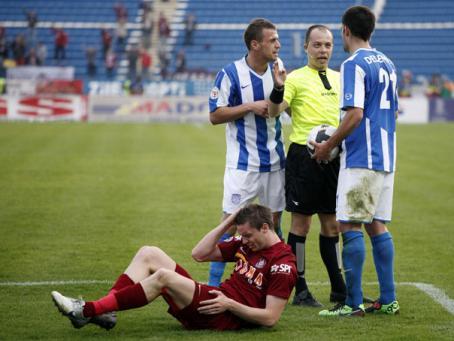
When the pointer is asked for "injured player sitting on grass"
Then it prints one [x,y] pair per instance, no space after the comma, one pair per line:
[255,295]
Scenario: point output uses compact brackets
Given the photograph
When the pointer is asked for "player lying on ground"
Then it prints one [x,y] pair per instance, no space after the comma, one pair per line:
[255,294]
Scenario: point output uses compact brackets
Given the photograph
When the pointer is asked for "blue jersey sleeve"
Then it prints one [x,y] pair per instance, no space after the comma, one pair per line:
[352,85]
[220,92]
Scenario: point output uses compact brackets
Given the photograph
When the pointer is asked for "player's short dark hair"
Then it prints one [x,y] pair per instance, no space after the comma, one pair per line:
[254,31]
[360,21]
[256,215]
[313,27]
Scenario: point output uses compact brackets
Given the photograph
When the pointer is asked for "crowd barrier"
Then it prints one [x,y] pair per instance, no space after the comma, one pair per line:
[174,108]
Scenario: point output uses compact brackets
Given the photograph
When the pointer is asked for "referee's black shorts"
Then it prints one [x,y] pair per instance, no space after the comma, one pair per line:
[310,187]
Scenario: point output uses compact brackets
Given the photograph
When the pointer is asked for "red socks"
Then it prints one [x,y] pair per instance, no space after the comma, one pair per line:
[123,281]
[123,295]
[130,297]
[103,305]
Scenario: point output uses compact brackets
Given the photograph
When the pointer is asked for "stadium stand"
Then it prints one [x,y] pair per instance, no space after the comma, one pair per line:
[417,35]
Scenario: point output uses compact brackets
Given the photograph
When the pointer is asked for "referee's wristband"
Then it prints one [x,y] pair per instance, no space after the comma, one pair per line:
[277,95]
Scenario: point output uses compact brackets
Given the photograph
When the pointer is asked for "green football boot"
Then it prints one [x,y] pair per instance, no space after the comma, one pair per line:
[388,309]
[343,310]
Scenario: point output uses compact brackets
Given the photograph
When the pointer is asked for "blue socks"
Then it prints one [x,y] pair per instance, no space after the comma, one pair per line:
[383,251]
[353,255]
[217,268]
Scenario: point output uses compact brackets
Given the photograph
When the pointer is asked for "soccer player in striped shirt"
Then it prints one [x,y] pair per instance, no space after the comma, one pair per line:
[255,158]
[369,106]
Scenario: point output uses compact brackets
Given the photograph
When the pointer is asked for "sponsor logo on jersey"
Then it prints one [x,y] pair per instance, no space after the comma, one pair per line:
[281,269]
[328,94]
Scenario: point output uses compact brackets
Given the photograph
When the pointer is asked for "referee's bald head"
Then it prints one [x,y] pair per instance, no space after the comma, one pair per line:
[313,27]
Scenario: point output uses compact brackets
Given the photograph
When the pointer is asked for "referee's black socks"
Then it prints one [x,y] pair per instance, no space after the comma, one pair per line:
[329,250]
[298,245]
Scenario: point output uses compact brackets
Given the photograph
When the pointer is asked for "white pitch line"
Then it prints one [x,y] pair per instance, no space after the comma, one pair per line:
[69,282]
[433,292]
[436,294]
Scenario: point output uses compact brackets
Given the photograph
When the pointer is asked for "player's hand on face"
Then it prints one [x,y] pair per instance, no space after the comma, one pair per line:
[260,108]
[321,152]
[216,305]
[280,75]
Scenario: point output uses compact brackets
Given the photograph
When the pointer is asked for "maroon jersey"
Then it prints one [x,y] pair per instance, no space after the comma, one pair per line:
[271,271]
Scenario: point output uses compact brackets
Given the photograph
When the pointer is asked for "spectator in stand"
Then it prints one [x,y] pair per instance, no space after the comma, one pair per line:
[145,62]
[164,30]
[4,51]
[147,24]
[447,89]
[164,62]
[2,33]
[190,24]
[31,58]
[106,38]
[60,43]
[32,21]
[2,77]
[120,11]
[32,18]
[434,88]
[136,86]
[90,55]
[110,62]
[132,56]
[405,83]
[180,63]
[18,48]
[121,33]
[41,53]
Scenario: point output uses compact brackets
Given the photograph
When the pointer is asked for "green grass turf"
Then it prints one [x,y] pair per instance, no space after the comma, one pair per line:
[77,201]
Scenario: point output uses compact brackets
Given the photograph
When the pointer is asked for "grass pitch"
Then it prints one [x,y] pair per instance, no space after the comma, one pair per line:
[78,200]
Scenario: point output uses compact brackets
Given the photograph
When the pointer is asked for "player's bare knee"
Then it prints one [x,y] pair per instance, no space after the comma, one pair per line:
[300,229]
[163,276]
[329,230]
[149,254]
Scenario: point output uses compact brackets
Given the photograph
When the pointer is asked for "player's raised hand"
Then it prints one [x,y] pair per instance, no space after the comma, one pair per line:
[216,305]
[280,74]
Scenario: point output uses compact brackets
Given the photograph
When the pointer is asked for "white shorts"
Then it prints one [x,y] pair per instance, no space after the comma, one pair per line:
[364,195]
[242,187]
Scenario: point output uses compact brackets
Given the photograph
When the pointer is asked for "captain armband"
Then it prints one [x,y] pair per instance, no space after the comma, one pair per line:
[277,95]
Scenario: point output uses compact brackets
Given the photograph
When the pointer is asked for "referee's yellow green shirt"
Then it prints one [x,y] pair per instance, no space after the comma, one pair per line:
[310,102]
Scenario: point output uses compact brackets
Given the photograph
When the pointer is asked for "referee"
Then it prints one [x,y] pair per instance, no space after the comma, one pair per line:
[311,98]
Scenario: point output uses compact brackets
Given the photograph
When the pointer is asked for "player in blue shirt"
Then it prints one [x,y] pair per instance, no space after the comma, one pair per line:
[367,131]
[255,157]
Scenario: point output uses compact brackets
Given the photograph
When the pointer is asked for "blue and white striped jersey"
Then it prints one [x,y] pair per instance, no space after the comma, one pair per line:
[369,81]
[254,143]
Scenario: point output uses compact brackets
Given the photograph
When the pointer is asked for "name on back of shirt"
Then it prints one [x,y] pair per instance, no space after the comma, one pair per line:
[375,59]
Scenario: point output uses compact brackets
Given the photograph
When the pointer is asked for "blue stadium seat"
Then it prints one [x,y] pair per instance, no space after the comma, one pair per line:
[423,51]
